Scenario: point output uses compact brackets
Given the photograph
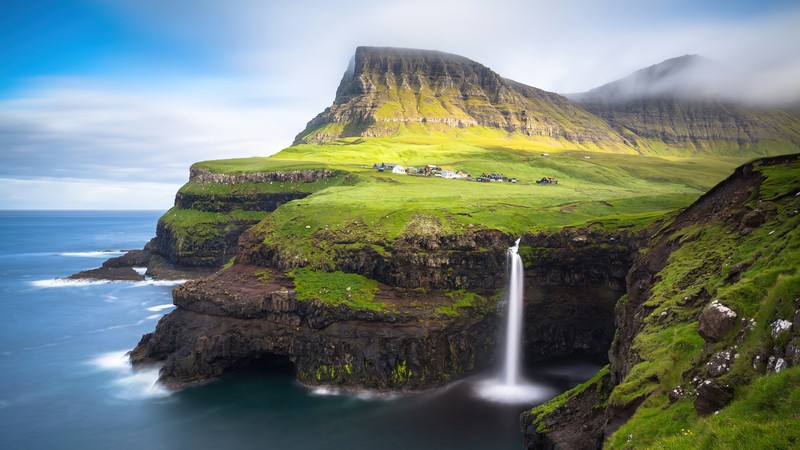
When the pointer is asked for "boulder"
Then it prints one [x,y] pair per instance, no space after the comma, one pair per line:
[716,321]
[753,219]
[711,397]
[720,363]
[779,327]
[793,351]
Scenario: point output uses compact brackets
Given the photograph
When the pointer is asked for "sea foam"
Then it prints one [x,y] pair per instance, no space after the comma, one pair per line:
[129,384]
[499,392]
[66,282]
[96,254]
[158,308]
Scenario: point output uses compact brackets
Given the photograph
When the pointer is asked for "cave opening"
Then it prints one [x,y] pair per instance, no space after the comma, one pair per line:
[267,364]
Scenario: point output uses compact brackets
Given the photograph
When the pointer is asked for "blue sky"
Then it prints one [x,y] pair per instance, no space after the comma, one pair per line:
[105,104]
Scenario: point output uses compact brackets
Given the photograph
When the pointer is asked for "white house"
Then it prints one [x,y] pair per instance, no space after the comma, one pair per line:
[398,169]
[450,174]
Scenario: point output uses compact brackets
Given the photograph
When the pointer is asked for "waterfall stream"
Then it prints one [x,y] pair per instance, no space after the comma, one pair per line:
[513,316]
[509,386]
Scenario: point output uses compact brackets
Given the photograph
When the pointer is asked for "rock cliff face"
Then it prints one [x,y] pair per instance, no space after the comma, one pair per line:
[386,87]
[573,279]
[210,239]
[678,346]
[232,319]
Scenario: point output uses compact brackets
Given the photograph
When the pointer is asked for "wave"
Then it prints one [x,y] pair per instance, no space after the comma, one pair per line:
[67,282]
[161,307]
[152,282]
[140,270]
[70,282]
[94,254]
[130,384]
[359,394]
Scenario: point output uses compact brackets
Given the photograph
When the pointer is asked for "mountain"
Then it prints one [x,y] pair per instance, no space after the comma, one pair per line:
[387,90]
[677,77]
[683,277]
[674,108]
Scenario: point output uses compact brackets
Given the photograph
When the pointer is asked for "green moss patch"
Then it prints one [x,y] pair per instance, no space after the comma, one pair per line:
[336,288]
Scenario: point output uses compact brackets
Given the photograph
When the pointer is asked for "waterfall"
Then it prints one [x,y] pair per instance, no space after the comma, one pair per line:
[510,386]
[514,291]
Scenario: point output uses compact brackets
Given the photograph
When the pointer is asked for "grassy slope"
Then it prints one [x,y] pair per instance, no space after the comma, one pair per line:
[764,411]
[619,190]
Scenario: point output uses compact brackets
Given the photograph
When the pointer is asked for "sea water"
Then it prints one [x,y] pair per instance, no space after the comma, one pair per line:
[65,382]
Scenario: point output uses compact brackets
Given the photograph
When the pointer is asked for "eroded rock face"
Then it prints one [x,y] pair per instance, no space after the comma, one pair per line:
[232,319]
[716,321]
[201,175]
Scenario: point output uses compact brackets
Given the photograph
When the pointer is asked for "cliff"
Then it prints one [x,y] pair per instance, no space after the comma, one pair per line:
[409,333]
[706,324]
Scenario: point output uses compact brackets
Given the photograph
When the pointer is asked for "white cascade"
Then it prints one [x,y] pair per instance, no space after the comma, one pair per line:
[514,291]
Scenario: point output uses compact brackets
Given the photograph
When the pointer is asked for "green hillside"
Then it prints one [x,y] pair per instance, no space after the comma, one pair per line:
[594,188]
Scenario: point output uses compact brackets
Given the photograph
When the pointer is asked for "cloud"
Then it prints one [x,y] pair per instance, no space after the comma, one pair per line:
[87,194]
[564,46]
[78,130]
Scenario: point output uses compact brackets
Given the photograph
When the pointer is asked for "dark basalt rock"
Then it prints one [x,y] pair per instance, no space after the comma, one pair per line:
[711,397]
[716,321]
[232,319]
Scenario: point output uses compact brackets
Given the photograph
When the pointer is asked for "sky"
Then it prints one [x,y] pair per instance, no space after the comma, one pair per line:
[105,104]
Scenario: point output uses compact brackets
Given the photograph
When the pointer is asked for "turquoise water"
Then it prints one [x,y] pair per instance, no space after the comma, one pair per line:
[65,384]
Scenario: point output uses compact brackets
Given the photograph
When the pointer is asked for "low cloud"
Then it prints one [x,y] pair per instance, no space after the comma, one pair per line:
[136,140]
[88,194]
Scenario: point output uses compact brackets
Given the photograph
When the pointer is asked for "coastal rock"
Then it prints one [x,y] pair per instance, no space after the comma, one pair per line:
[715,321]
[753,219]
[233,319]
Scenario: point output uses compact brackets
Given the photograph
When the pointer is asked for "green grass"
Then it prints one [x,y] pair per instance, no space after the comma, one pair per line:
[671,352]
[459,300]
[600,189]
[764,415]
[336,288]
[596,382]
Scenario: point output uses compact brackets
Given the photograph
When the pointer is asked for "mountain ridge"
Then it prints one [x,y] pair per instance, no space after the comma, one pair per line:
[672,107]
[387,88]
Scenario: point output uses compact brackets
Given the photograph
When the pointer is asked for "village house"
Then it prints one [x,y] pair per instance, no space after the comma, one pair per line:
[431,170]
[547,180]
[381,167]
[399,169]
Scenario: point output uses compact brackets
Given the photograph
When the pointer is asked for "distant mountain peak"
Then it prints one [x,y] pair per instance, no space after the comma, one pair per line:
[684,76]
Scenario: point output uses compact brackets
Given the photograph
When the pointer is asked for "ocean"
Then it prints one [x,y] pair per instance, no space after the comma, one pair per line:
[65,382]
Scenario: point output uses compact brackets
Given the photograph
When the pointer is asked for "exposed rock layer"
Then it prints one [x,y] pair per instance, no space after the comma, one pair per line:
[232,319]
